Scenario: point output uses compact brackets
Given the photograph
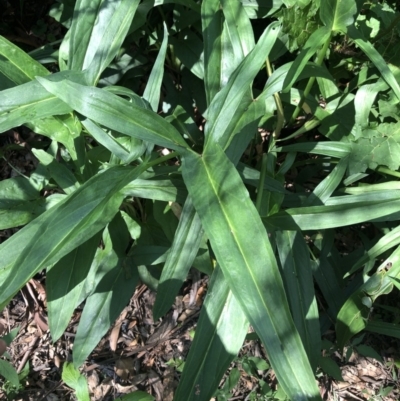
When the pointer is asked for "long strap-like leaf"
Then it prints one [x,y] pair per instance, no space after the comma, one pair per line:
[244,253]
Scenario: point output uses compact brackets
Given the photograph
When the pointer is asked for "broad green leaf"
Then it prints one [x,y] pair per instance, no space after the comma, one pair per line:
[331,368]
[17,65]
[64,284]
[183,251]
[225,104]
[342,214]
[337,15]
[61,229]
[299,285]
[379,146]
[9,373]
[153,87]
[20,202]
[20,68]
[220,333]
[228,217]
[76,381]
[298,24]
[212,25]
[313,44]
[117,282]
[376,59]
[59,172]
[116,113]
[97,32]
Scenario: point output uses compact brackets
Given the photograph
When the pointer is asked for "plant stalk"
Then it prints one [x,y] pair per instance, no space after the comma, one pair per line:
[310,83]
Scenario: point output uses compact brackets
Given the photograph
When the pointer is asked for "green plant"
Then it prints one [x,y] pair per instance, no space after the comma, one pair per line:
[13,381]
[100,162]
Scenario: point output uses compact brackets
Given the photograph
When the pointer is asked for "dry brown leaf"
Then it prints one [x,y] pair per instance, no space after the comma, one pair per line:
[3,347]
[124,368]
[115,331]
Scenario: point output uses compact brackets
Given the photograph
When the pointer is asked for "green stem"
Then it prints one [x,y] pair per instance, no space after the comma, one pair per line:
[263,174]
[162,159]
[280,120]
[320,59]
[388,171]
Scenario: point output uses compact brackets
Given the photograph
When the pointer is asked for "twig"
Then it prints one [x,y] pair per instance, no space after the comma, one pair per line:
[28,352]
